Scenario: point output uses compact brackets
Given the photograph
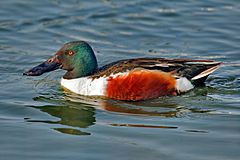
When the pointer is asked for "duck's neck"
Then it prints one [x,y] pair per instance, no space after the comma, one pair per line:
[73,74]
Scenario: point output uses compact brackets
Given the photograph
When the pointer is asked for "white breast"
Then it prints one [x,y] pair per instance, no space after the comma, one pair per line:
[86,86]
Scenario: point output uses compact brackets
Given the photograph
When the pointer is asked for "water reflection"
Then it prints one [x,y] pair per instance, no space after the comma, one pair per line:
[74,115]
[136,108]
[72,131]
[77,113]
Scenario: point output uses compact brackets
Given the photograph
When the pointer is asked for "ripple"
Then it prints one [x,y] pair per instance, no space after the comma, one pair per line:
[195,131]
[143,126]
[72,131]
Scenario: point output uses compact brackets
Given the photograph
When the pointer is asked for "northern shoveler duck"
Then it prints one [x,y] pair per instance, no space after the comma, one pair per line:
[129,79]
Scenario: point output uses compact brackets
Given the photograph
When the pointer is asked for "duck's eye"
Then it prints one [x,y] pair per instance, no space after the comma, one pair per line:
[70,53]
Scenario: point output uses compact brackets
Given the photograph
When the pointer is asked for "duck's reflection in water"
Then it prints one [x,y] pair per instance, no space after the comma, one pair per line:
[78,112]
[71,115]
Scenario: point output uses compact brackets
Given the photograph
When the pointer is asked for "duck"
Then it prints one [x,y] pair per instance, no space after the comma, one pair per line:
[134,79]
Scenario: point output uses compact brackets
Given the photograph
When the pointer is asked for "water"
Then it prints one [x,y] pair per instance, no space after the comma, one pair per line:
[38,120]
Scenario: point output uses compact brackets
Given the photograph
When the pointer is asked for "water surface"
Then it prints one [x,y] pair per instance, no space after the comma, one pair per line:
[38,120]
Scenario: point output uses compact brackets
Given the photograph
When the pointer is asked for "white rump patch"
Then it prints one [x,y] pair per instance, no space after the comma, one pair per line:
[183,85]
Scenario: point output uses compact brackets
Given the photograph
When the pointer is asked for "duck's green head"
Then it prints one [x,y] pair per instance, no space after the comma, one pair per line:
[76,57]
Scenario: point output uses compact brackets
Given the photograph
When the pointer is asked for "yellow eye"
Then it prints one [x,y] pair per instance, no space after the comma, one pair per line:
[70,53]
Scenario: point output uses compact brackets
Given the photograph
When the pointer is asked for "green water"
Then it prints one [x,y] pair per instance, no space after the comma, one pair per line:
[38,120]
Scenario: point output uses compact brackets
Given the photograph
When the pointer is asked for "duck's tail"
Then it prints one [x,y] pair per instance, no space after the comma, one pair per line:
[194,73]
[198,72]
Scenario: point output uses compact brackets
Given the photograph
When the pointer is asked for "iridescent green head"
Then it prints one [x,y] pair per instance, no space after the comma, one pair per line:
[76,57]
